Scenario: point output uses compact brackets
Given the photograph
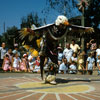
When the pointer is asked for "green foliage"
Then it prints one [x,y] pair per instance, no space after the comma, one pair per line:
[64,7]
[92,14]
[30,19]
[8,36]
[0,40]
[92,18]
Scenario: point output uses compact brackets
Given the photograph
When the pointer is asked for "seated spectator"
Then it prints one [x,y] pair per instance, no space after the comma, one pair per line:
[6,63]
[90,64]
[63,68]
[37,65]
[10,54]
[68,53]
[16,50]
[31,60]
[74,58]
[25,56]
[98,65]
[16,62]
[23,64]
[73,68]
[60,55]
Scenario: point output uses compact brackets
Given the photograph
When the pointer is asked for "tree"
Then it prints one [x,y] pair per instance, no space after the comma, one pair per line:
[92,14]
[30,19]
[62,7]
[92,17]
[0,40]
[8,36]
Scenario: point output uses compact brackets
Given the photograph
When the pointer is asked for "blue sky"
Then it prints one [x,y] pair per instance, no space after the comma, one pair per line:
[11,11]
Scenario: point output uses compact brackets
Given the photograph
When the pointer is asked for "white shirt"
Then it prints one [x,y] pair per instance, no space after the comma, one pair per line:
[98,61]
[91,60]
[15,51]
[98,51]
[75,47]
[31,60]
[74,59]
[3,52]
[60,56]
[68,53]
[63,67]
[16,62]
[72,67]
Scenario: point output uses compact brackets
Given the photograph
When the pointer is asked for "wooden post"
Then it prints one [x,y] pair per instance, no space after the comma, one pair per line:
[82,23]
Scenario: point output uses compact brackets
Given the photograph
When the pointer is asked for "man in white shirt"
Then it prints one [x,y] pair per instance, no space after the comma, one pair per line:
[68,52]
[74,47]
[2,53]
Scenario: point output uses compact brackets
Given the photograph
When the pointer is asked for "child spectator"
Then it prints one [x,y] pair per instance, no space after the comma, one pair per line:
[73,63]
[16,62]
[98,64]
[37,65]
[73,67]
[9,53]
[74,58]
[60,55]
[31,59]
[81,63]
[63,68]
[27,62]
[6,63]
[16,49]
[23,64]
[90,64]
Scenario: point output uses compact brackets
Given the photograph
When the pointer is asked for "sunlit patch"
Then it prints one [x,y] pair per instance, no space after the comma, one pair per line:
[60,88]
[66,89]
[33,85]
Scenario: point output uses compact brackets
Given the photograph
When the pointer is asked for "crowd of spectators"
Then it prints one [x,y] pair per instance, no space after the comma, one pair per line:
[73,60]
[70,60]
[11,60]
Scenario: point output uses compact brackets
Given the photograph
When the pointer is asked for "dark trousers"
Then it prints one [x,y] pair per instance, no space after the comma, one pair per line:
[1,62]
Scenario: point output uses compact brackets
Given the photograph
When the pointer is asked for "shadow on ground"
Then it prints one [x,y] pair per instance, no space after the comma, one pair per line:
[61,81]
